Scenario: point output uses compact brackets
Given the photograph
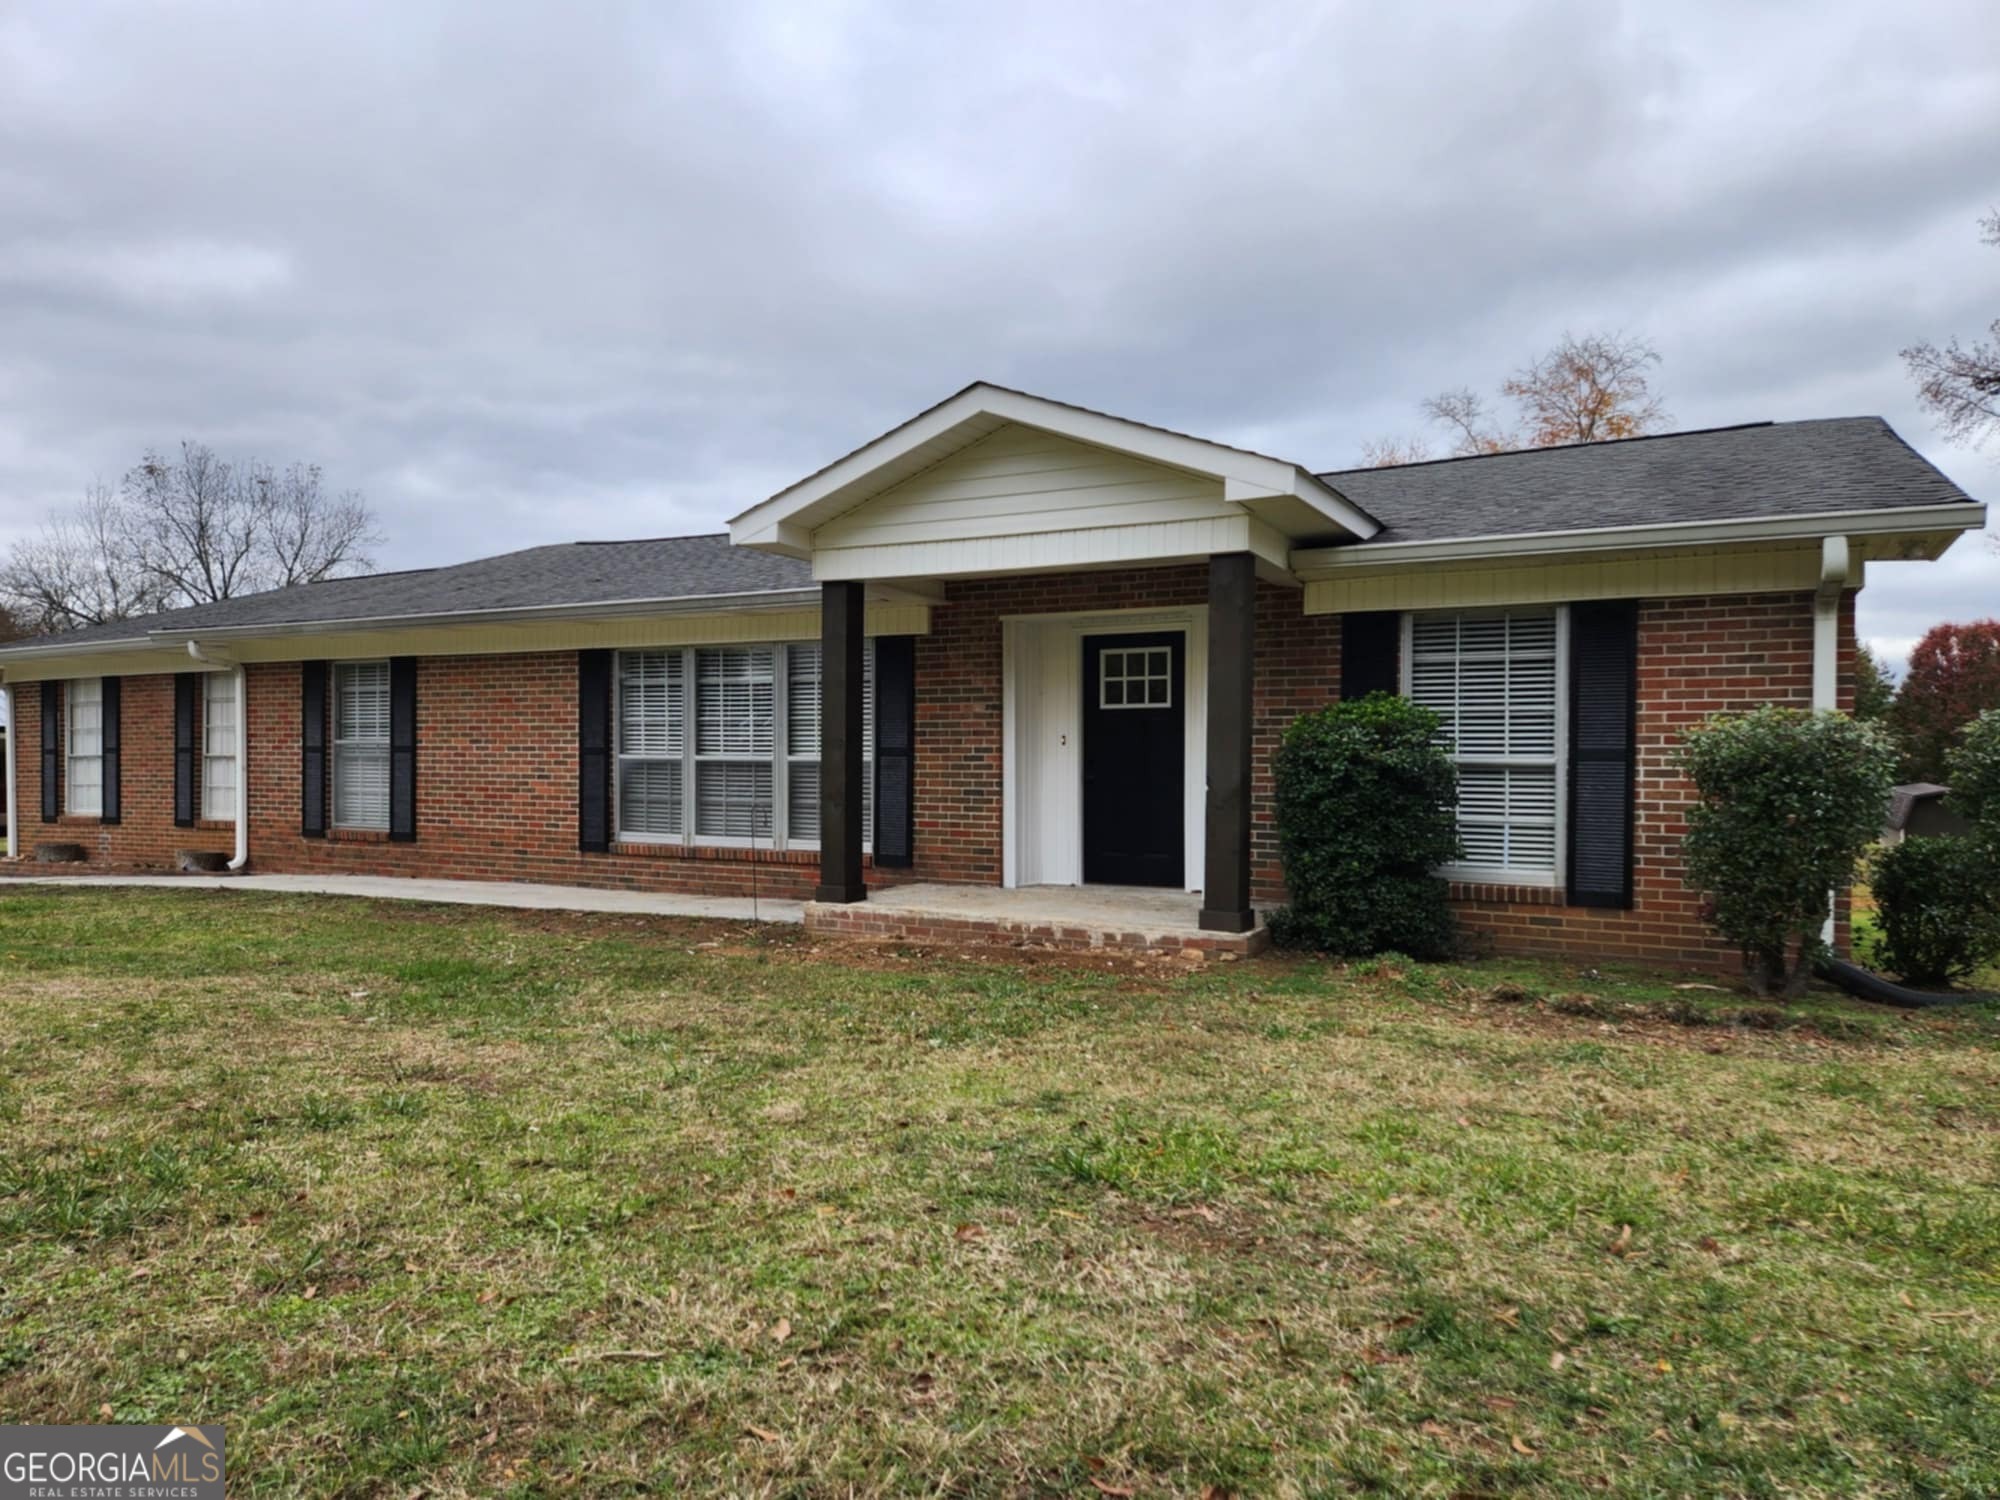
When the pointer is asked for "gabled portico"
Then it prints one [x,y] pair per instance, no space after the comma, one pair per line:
[1130,726]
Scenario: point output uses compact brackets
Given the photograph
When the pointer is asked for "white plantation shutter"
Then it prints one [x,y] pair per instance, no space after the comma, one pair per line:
[735,740]
[361,744]
[803,711]
[1492,677]
[218,746]
[652,735]
[84,788]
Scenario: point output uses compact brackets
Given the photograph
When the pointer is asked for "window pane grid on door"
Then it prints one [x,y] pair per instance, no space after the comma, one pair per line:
[361,744]
[218,747]
[1493,680]
[1135,677]
[84,794]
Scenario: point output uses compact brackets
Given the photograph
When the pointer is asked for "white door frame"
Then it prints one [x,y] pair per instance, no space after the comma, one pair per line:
[1042,739]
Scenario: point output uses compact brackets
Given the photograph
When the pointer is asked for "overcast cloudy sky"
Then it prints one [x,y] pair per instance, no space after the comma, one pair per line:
[531,272]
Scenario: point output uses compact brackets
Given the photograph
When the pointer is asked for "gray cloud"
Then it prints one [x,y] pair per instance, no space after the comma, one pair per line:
[524,273]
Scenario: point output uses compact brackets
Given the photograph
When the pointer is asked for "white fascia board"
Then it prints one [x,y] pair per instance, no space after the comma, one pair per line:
[1324,562]
[783,523]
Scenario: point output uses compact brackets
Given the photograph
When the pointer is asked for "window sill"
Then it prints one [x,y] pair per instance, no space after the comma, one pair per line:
[356,835]
[1515,892]
[80,820]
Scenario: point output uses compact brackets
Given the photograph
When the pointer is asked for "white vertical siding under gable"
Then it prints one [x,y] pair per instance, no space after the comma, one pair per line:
[1022,482]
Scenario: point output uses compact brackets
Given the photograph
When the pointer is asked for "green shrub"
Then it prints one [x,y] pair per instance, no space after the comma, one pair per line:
[1785,804]
[1365,801]
[1938,900]
[1972,770]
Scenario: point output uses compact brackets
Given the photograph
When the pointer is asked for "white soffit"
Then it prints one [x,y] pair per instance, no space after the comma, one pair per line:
[1282,495]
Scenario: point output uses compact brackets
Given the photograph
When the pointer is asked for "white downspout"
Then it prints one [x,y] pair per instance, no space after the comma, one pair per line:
[1834,565]
[13,779]
[1833,570]
[196,651]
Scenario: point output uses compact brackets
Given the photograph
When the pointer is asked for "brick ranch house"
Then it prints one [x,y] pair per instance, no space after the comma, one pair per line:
[1010,643]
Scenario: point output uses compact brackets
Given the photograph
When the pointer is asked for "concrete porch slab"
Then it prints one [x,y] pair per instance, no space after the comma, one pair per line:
[1122,918]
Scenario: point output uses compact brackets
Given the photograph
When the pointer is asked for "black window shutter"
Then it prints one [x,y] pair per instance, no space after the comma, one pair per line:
[593,751]
[1603,698]
[114,703]
[312,749]
[1371,646]
[402,749]
[51,751]
[895,750]
[187,697]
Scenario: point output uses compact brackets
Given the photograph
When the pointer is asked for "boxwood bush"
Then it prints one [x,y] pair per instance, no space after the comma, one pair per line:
[1938,899]
[1364,806]
[1786,803]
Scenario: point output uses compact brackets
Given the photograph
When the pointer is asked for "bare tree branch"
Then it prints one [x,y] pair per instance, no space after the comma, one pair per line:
[188,530]
[1390,452]
[1463,412]
[1960,383]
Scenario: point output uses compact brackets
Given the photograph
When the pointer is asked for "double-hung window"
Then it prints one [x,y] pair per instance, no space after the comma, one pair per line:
[218,747]
[802,729]
[85,784]
[1494,677]
[721,745]
[652,740]
[361,744]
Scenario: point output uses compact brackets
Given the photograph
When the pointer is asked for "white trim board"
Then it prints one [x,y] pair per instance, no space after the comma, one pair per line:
[1042,739]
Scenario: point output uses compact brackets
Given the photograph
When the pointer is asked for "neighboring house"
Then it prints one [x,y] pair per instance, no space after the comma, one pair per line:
[1013,642]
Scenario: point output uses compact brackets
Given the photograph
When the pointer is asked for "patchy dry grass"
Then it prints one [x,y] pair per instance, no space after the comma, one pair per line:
[456,1202]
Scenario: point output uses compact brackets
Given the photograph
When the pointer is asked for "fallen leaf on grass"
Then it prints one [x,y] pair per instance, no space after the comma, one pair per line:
[970,1231]
[762,1434]
[104,1411]
[310,1293]
[1435,1429]
[1520,1447]
[487,1296]
[1624,1241]
[1104,1487]
[781,1330]
[1557,1360]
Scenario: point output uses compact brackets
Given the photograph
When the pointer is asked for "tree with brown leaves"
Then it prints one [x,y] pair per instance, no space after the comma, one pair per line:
[1584,390]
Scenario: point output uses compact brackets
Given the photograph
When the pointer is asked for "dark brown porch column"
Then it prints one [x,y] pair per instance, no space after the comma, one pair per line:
[1232,636]
[840,646]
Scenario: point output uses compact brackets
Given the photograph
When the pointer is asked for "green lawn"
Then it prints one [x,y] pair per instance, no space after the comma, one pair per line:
[445,1202]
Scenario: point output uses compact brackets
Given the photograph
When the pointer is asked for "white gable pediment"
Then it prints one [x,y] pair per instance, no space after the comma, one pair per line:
[996,480]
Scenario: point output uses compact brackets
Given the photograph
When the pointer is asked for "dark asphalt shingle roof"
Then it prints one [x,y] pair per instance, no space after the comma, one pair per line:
[1767,469]
[680,567]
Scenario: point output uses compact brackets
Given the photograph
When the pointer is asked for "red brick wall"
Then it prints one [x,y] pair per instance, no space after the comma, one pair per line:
[496,767]
[960,723]
[146,834]
[496,791]
[1696,657]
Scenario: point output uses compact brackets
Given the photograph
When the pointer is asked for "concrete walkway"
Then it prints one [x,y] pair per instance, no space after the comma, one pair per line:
[450,893]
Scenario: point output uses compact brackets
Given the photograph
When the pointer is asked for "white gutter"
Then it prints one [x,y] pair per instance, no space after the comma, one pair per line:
[1323,561]
[701,604]
[13,778]
[202,655]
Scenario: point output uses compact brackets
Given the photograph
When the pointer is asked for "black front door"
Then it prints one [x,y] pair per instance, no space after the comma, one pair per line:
[1134,747]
